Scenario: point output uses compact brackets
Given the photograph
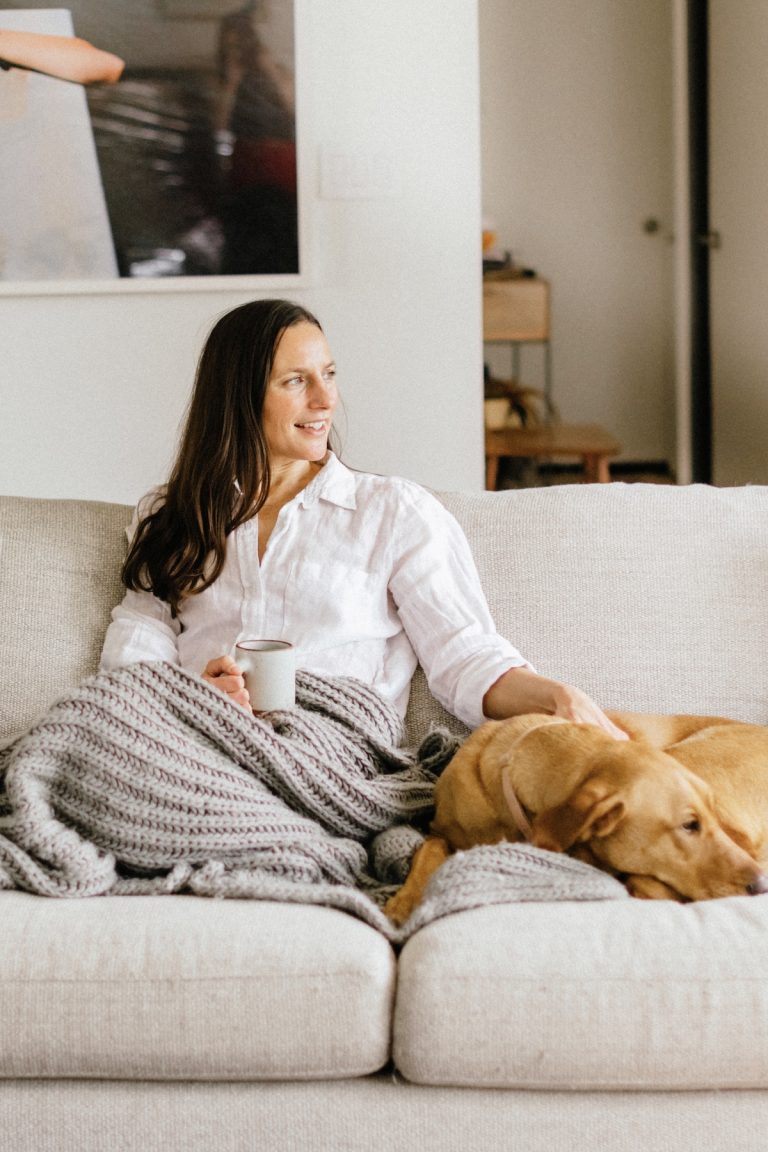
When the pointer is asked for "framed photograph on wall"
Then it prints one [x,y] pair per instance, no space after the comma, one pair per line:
[183,169]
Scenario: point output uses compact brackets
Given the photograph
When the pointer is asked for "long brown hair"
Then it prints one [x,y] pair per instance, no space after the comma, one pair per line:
[221,475]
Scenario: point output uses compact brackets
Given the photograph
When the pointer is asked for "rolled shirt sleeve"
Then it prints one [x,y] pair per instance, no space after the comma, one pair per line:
[141,629]
[439,598]
[142,626]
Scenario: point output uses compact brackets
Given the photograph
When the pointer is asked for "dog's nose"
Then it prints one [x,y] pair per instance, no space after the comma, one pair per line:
[758,886]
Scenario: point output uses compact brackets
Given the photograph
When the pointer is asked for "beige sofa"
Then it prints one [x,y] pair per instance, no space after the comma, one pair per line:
[177,1022]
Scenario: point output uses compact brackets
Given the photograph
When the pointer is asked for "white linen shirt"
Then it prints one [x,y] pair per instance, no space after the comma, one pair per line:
[364,574]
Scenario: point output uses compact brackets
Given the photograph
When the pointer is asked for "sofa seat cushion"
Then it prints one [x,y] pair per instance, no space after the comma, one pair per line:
[609,995]
[182,987]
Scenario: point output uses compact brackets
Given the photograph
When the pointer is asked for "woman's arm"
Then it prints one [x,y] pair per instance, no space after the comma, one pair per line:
[142,628]
[522,690]
[474,672]
[66,57]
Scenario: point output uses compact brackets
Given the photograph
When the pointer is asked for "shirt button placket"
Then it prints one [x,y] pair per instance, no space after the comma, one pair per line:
[275,571]
[252,609]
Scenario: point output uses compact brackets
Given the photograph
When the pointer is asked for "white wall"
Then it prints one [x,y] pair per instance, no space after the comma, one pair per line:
[577,152]
[93,386]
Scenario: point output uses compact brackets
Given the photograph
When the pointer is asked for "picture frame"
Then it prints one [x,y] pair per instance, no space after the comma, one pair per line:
[145,69]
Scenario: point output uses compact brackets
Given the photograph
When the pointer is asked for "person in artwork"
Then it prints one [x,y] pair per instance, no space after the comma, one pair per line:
[256,117]
[262,531]
[63,57]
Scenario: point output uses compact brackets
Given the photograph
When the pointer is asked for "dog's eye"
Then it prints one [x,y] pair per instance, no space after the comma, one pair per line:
[693,825]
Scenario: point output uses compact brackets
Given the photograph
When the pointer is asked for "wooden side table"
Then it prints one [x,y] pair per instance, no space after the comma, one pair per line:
[589,443]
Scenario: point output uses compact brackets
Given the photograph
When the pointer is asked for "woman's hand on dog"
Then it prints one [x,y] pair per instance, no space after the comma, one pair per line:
[574,705]
[522,690]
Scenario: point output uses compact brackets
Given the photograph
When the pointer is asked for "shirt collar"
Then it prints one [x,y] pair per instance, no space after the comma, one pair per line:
[334,483]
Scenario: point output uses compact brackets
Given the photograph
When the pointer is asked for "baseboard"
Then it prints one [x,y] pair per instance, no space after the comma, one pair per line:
[658,471]
[659,468]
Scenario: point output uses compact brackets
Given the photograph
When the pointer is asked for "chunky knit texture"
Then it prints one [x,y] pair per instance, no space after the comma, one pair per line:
[146,779]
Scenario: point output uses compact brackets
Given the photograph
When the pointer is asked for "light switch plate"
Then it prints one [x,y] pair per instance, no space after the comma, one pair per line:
[362,174]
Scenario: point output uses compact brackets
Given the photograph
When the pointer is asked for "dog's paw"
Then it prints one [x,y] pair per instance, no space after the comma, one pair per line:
[399,907]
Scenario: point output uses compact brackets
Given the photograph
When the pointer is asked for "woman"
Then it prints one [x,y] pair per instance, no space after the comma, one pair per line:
[262,531]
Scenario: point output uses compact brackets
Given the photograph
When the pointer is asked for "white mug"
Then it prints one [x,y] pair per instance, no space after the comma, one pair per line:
[269,669]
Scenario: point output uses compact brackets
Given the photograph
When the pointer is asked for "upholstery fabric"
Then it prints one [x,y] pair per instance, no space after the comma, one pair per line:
[594,584]
[59,579]
[649,597]
[378,1113]
[182,988]
[634,994]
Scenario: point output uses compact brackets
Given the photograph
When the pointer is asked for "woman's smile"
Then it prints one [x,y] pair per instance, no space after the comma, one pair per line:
[315,426]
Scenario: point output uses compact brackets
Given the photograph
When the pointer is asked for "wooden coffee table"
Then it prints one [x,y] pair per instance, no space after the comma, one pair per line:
[590,443]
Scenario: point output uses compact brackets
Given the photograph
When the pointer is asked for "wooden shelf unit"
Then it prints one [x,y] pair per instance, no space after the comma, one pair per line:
[516,312]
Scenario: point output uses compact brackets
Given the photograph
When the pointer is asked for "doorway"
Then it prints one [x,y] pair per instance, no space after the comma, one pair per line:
[577,164]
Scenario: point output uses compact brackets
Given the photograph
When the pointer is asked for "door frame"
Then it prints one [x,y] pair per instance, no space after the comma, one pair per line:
[693,358]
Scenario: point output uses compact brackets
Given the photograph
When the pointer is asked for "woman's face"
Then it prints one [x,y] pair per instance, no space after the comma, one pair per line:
[301,397]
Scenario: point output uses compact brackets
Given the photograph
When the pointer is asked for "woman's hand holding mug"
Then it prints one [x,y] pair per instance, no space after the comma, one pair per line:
[223,674]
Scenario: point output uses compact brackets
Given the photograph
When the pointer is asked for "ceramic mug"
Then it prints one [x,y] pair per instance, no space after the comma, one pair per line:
[269,669]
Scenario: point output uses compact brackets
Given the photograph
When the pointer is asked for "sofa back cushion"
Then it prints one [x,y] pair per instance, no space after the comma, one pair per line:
[59,579]
[649,597]
[652,598]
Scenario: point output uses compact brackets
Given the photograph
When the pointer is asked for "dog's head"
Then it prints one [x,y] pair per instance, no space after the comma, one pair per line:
[641,813]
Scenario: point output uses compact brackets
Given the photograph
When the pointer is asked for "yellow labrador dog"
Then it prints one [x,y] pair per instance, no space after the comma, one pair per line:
[679,811]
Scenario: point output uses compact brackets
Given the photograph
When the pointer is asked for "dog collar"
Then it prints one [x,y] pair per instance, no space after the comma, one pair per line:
[516,810]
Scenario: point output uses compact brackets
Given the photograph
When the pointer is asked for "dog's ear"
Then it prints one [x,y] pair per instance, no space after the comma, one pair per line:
[594,810]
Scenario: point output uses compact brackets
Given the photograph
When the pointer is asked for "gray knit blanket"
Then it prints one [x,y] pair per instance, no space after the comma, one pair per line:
[148,780]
